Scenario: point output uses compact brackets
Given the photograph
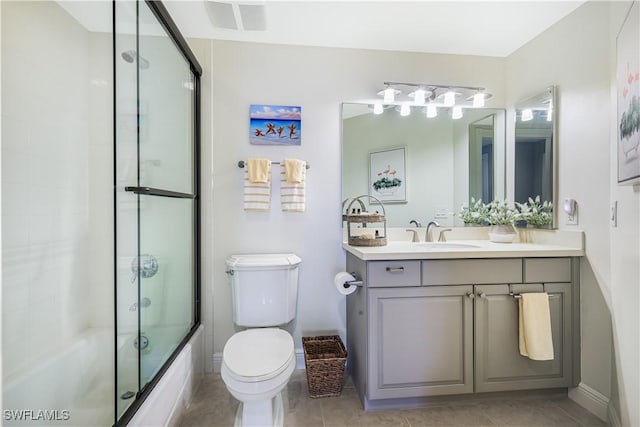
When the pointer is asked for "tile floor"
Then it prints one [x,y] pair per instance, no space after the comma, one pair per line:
[214,406]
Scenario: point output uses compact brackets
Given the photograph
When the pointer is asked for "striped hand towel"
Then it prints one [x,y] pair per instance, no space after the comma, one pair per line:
[257,195]
[292,194]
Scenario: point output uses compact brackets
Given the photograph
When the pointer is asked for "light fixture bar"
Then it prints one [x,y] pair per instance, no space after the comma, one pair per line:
[422,94]
[435,86]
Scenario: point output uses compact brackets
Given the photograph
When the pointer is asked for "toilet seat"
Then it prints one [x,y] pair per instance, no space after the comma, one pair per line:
[256,355]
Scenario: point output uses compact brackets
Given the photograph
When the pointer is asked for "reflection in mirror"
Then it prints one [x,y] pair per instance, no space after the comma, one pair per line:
[534,165]
[481,175]
[447,161]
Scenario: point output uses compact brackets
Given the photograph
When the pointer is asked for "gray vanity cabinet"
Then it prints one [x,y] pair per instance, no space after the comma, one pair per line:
[420,341]
[498,363]
[421,328]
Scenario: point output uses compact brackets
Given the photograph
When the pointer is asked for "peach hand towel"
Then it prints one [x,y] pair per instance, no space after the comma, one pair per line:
[259,170]
[534,324]
[294,170]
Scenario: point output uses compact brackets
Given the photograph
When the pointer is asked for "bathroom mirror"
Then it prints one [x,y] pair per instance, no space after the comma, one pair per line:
[535,146]
[448,161]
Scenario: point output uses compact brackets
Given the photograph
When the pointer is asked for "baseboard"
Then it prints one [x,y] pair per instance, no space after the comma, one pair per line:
[613,417]
[590,399]
[217,360]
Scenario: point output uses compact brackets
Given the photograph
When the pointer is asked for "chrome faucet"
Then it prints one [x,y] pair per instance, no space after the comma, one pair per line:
[427,236]
[415,238]
[443,237]
[416,223]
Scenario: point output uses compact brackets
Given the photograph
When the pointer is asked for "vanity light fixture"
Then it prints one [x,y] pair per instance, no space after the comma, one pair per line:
[419,96]
[456,112]
[478,100]
[449,98]
[378,108]
[432,110]
[527,114]
[432,96]
[389,94]
[405,109]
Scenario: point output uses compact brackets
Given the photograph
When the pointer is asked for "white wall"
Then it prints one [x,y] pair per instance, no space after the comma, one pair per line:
[317,79]
[578,55]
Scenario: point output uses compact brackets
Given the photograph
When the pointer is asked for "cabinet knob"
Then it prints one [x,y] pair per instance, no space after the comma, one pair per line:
[481,295]
[470,295]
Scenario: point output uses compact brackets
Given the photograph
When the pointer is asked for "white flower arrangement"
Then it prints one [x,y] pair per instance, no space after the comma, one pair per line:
[535,212]
[494,213]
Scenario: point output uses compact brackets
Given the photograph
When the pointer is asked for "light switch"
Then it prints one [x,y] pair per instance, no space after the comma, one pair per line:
[441,213]
[613,216]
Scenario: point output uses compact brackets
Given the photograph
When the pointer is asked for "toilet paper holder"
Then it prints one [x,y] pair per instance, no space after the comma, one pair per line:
[357,282]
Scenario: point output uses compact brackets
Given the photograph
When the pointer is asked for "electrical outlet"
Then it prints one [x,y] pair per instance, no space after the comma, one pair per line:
[613,216]
[572,219]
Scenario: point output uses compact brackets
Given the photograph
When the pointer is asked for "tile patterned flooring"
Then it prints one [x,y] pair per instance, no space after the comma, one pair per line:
[212,405]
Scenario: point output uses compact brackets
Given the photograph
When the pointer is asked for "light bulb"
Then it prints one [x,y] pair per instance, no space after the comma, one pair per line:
[405,110]
[478,100]
[389,95]
[377,108]
[456,113]
[432,110]
[527,115]
[449,98]
[419,96]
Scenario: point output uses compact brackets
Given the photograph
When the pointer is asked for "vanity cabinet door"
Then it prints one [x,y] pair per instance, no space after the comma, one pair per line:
[498,363]
[420,341]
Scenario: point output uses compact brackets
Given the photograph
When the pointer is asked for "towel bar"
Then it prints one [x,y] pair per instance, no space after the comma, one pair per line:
[518,296]
[242,163]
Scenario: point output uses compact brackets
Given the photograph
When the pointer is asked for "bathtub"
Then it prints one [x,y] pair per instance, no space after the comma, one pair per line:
[73,387]
[168,400]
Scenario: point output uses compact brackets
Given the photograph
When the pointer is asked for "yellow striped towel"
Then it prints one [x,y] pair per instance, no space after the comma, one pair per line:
[292,194]
[257,195]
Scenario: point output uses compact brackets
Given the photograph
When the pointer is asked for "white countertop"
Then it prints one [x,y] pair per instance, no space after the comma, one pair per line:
[396,250]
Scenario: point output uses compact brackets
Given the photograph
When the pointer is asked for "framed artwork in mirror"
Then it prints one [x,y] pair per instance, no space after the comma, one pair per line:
[628,97]
[388,175]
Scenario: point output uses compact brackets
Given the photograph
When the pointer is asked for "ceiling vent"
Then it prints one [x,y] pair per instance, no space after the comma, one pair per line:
[235,15]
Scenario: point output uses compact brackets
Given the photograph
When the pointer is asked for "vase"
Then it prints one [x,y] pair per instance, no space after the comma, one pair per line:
[502,233]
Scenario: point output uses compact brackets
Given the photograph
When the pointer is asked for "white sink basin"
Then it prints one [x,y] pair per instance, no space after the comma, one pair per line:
[445,245]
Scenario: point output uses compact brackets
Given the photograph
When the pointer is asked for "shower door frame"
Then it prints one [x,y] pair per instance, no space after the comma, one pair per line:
[164,18]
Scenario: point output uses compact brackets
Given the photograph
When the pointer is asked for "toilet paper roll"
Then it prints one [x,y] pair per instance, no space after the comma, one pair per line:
[341,285]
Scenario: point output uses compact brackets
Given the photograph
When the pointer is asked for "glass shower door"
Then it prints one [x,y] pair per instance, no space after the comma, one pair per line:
[156,197]
[167,195]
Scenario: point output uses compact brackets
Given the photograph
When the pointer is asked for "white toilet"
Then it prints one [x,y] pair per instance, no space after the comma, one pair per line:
[258,362]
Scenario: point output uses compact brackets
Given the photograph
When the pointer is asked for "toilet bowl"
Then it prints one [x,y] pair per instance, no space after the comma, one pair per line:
[256,366]
[258,362]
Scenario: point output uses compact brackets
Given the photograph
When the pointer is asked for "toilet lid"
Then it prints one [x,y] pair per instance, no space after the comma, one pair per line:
[258,354]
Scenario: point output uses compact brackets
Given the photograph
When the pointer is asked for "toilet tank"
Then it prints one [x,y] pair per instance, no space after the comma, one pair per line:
[264,288]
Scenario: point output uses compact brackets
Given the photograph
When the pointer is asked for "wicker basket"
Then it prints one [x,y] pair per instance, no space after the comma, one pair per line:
[324,357]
